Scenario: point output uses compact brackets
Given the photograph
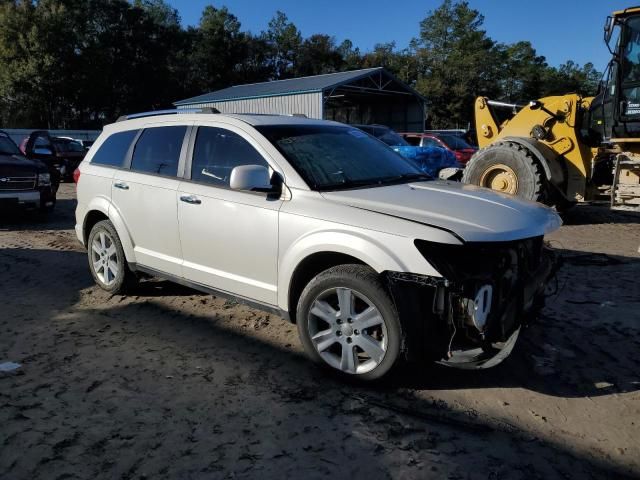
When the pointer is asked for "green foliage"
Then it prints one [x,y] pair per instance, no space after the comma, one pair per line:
[318,54]
[457,62]
[523,73]
[284,41]
[571,77]
[81,63]
[217,44]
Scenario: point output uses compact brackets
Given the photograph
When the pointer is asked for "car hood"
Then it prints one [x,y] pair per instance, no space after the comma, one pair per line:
[472,213]
[12,165]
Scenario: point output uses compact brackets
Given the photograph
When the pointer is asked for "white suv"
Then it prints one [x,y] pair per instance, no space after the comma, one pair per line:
[321,223]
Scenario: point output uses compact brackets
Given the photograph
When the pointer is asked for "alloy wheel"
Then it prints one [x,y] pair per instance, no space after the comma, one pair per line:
[104,258]
[347,330]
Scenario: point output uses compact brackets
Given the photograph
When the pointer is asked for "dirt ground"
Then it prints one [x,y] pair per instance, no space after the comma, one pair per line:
[172,383]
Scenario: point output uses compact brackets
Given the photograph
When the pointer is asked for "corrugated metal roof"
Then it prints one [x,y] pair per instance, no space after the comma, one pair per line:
[290,86]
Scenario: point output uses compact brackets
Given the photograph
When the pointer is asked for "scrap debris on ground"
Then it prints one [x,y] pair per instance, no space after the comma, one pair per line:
[172,383]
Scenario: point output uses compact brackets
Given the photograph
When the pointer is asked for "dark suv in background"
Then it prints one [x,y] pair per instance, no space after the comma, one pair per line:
[24,182]
[63,154]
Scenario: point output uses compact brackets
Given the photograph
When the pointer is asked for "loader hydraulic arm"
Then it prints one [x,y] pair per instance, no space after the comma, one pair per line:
[486,122]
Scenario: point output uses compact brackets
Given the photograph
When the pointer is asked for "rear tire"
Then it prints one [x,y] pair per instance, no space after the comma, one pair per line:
[107,261]
[348,321]
[507,167]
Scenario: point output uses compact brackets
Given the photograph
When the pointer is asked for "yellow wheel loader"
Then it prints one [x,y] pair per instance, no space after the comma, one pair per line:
[566,149]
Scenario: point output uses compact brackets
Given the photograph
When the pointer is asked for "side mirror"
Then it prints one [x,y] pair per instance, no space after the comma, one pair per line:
[254,178]
[42,151]
[608,29]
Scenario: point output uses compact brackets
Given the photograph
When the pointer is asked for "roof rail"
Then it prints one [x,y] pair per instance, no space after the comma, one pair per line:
[253,114]
[153,113]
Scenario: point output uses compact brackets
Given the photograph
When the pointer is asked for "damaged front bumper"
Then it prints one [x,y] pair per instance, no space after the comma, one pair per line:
[471,317]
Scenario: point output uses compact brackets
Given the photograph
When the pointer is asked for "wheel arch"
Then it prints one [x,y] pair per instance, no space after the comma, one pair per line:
[308,268]
[318,252]
[101,208]
[92,217]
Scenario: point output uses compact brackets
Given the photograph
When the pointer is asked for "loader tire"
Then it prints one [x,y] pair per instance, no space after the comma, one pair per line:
[508,168]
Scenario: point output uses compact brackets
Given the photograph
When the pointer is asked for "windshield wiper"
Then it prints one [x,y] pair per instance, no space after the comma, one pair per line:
[405,177]
[374,182]
[416,176]
[347,184]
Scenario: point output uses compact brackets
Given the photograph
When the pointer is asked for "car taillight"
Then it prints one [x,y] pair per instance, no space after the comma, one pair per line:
[76,175]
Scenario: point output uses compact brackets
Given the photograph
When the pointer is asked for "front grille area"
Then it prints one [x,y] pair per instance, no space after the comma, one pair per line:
[17,183]
[459,263]
[508,267]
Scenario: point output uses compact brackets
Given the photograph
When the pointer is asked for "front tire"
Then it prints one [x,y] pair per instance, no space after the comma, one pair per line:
[348,321]
[107,261]
[507,167]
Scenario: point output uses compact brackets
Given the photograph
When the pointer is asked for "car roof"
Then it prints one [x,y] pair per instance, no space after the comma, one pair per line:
[370,125]
[254,119]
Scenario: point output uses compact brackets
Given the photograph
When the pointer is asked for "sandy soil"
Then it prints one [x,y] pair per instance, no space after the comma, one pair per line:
[171,383]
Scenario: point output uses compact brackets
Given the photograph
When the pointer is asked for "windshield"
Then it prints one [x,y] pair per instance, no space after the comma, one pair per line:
[384,134]
[64,145]
[334,157]
[393,139]
[630,71]
[454,142]
[7,147]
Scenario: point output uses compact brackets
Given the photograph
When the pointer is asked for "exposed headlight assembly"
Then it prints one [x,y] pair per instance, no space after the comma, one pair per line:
[477,309]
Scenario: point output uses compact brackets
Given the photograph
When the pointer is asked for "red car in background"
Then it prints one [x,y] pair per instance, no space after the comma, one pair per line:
[454,143]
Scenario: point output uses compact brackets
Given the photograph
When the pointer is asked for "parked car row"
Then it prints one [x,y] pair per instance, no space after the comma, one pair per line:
[31,173]
[435,161]
[320,222]
[455,144]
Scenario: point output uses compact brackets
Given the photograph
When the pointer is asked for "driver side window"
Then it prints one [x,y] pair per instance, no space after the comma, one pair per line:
[218,151]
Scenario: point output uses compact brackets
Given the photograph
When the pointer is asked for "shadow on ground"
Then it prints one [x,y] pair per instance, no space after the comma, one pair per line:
[138,386]
[62,218]
[598,214]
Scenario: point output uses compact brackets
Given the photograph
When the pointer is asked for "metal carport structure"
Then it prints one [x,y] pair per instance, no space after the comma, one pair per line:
[367,96]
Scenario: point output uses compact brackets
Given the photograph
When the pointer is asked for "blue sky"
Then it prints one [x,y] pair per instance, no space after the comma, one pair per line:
[560,30]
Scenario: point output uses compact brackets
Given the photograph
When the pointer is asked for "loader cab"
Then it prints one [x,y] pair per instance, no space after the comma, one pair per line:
[615,111]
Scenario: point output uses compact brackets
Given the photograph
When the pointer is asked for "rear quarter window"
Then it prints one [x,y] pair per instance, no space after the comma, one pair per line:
[114,149]
[158,151]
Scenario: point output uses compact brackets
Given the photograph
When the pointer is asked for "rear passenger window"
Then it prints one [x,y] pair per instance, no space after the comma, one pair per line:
[158,151]
[114,149]
[218,151]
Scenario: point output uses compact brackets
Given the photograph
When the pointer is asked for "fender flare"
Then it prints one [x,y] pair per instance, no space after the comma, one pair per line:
[349,243]
[104,205]
[549,160]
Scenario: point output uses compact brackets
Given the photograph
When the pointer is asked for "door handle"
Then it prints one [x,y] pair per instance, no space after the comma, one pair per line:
[190,199]
[121,185]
